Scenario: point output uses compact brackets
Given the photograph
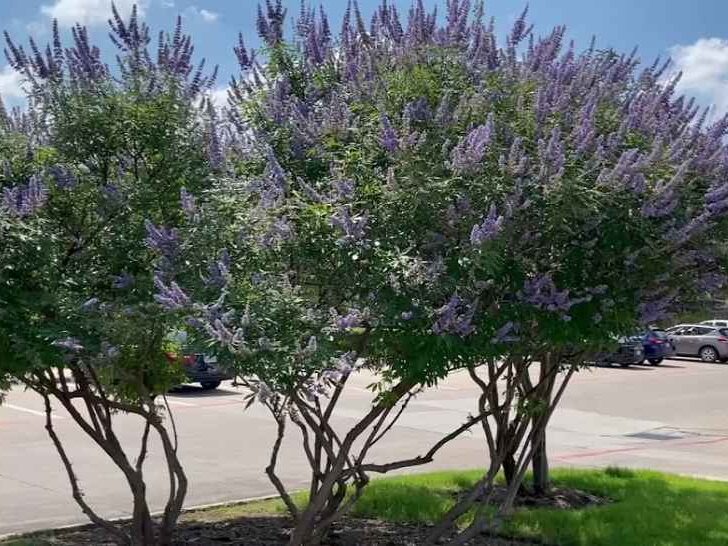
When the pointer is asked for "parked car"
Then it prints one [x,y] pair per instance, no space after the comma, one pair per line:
[710,343]
[630,351]
[200,369]
[656,345]
[721,323]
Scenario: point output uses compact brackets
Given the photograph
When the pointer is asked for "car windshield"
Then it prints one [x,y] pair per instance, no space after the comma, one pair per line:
[723,332]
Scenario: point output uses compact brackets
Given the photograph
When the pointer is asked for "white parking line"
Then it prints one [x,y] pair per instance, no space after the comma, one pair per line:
[31,411]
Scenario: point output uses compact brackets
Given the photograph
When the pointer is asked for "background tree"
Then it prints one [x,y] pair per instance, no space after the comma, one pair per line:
[100,158]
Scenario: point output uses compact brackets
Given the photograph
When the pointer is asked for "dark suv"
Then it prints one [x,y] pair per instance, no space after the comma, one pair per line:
[201,369]
[628,352]
[656,345]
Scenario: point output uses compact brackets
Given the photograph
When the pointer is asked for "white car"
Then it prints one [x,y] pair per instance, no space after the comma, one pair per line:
[720,323]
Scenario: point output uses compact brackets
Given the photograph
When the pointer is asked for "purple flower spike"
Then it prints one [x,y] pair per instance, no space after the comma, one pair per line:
[488,229]
[504,332]
[189,204]
[24,201]
[352,226]
[170,296]
[219,271]
[388,137]
[162,240]
[468,154]
[541,292]
[64,178]
[352,319]
[455,317]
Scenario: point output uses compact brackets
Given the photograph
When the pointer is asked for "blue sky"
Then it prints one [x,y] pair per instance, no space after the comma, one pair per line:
[694,33]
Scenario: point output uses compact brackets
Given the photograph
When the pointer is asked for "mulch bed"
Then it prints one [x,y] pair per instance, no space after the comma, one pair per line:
[274,530]
[557,498]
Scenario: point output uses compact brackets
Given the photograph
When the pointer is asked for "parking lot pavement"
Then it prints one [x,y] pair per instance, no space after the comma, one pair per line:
[672,418]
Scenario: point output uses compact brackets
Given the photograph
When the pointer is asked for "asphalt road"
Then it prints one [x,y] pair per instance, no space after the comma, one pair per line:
[672,418]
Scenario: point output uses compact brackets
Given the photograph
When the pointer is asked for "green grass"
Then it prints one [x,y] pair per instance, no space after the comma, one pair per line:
[648,508]
[415,498]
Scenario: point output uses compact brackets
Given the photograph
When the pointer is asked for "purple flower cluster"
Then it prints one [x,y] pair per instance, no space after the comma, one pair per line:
[666,196]
[24,201]
[80,66]
[169,295]
[315,34]
[455,212]
[218,272]
[468,154]
[270,22]
[388,137]
[271,189]
[280,231]
[228,337]
[163,241]
[189,205]
[354,318]
[507,332]
[352,226]
[488,229]
[63,177]
[455,317]
[541,292]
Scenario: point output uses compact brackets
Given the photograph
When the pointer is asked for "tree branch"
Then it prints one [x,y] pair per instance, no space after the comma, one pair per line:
[77,493]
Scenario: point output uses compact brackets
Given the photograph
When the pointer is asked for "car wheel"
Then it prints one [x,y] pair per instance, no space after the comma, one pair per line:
[210,385]
[655,361]
[708,354]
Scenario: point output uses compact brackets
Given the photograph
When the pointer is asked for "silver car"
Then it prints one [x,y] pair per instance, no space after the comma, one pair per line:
[710,343]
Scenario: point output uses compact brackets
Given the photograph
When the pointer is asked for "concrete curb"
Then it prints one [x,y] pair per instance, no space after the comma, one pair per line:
[81,526]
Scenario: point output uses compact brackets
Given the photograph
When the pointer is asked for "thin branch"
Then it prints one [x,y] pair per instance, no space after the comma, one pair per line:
[306,441]
[77,493]
[394,420]
[143,449]
[172,421]
[427,457]
[270,469]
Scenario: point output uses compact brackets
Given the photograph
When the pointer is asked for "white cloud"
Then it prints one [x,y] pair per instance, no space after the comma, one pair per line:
[168,3]
[88,12]
[11,84]
[219,96]
[209,16]
[704,67]
[206,15]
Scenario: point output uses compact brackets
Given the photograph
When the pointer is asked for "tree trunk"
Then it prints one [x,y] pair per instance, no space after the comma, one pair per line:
[540,464]
[143,527]
[540,467]
[509,468]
